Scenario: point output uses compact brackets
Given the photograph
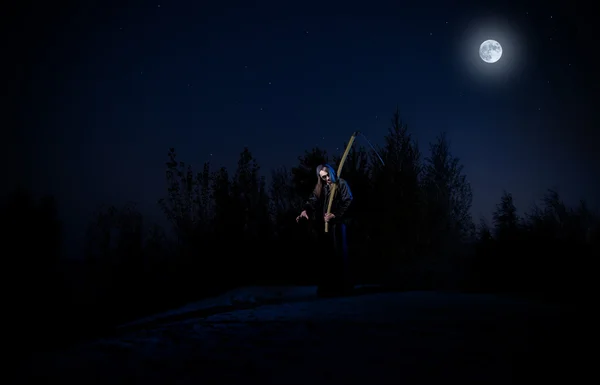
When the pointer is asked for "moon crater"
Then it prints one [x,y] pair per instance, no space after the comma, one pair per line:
[490,51]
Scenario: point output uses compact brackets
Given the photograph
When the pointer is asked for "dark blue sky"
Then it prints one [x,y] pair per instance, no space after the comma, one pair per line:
[104,90]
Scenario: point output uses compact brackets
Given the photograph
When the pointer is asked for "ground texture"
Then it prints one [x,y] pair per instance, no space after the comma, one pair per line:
[383,338]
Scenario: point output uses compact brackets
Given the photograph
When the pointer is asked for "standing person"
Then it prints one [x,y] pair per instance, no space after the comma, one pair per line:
[333,274]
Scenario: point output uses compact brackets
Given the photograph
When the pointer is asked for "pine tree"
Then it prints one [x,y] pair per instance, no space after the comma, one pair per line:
[449,196]
[395,218]
[506,220]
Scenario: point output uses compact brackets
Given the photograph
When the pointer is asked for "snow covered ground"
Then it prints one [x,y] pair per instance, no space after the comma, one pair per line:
[244,296]
[384,338]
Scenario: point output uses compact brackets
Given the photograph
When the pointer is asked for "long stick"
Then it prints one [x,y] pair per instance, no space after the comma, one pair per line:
[339,172]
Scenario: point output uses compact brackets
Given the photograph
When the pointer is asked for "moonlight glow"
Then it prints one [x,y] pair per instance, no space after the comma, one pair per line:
[490,51]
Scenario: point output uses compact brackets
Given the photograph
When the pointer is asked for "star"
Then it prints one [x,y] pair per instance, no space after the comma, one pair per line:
[269,83]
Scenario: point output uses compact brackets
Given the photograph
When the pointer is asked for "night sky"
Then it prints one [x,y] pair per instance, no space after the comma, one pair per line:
[101,90]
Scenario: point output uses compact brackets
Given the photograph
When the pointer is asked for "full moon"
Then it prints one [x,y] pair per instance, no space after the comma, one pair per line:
[490,51]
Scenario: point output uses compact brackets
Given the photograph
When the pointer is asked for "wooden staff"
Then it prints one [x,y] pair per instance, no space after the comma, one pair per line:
[339,172]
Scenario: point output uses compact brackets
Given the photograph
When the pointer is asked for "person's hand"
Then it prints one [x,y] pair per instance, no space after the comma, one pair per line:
[328,217]
[302,215]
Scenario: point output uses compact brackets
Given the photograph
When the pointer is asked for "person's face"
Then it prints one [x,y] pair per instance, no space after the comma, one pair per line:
[324,174]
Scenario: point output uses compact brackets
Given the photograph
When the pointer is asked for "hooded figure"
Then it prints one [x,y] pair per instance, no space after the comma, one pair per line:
[333,277]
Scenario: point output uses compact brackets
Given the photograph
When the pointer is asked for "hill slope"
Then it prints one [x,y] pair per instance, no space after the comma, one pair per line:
[408,338]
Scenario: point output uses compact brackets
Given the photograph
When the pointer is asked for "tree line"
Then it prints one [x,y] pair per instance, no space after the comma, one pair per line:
[409,227]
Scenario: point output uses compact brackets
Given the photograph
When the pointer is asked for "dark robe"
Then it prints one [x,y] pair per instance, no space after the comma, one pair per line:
[333,277]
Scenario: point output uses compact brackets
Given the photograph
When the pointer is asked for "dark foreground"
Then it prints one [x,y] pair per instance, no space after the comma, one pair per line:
[385,338]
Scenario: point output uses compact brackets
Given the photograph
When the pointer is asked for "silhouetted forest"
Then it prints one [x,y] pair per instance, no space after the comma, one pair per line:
[409,228]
